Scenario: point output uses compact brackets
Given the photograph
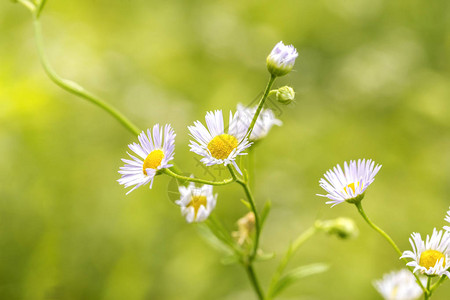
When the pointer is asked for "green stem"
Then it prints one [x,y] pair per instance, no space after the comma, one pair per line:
[427,295]
[248,264]
[254,281]
[260,105]
[251,200]
[73,87]
[306,235]
[198,180]
[440,281]
[389,239]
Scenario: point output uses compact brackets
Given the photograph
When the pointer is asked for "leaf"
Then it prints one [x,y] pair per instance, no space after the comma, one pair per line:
[265,212]
[213,240]
[247,204]
[262,256]
[296,274]
[229,260]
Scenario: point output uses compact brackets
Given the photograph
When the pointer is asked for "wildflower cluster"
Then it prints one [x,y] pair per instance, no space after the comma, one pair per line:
[427,265]
[430,257]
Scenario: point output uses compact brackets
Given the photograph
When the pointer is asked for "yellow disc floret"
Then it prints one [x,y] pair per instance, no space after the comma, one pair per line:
[352,186]
[196,202]
[222,145]
[153,160]
[429,258]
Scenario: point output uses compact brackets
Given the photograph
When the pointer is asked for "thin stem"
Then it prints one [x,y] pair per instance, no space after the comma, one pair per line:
[254,281]
[40,7]
[198,180]
[427,295]
[248,264]
[440,281]
[260,105]
[389,239]
[75,88]
[251,200]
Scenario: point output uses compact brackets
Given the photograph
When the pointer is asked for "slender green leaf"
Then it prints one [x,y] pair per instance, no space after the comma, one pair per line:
[296,274]
[265,212]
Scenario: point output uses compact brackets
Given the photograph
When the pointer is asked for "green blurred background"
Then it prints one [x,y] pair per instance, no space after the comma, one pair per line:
[372,81]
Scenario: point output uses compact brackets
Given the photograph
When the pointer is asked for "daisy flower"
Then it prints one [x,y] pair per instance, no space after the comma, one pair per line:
[196,203]
[264,123]
[153,155]
[281,60]
[432,256]
[399,285]
[447,218]
[216,146]
[351,184]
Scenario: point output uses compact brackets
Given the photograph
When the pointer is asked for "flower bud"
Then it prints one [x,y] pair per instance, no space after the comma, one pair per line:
[344,228]
[281,60]
[285,95]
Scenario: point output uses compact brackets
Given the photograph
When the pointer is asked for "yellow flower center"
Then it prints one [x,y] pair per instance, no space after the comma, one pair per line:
[222,145]
[351,186]
[429,258]
[153,160]
[196,202]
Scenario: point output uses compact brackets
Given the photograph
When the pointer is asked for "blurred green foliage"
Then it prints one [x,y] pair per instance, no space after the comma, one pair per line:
[372,81]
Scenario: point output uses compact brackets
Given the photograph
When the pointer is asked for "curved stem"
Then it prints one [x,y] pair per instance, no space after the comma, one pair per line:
[198,180]
[73,87]
[389,239]
[260,105]
[254,281]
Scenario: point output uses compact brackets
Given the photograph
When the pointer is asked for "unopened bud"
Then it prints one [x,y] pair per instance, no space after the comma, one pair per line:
[281,60]
[285,95]
[344,228]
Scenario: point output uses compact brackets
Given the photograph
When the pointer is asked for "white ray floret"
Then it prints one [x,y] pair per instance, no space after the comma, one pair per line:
[432,256]
[348,185]
[154,152]
[399,285]
[264,123]
[196,203]
[447,218]
[216,146]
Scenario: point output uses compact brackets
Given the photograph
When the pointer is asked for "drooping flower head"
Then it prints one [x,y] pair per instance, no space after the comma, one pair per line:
[216,146]
[349,185]
[264,123]
[196,203]
[154,152]
[447,218]
[399,285]
[431,257]
[281,60]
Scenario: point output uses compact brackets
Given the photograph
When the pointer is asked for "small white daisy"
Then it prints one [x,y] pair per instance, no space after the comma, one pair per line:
[264,123]
[399,285]
[430,257]
[216,146]
[281,60]
[447,218]
[154,155]
[351,184]
[196,203]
